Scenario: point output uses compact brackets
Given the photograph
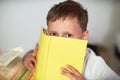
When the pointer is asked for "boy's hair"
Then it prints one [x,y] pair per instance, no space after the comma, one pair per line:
[70,9]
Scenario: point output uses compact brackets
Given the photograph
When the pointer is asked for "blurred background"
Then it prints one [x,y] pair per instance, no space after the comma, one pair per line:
[21,21]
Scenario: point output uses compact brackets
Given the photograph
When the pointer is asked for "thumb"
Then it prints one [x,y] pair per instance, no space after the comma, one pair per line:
[35,51]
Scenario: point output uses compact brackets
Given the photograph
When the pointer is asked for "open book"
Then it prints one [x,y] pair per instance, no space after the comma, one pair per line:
[56,52]
[11,65]
[7,57]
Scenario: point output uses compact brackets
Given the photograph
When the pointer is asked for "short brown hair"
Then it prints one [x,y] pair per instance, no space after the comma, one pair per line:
[71,9]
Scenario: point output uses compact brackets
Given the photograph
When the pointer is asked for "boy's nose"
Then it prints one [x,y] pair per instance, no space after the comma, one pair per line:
[60,35]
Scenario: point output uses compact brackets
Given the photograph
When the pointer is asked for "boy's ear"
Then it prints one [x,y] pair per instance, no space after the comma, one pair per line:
[85,35]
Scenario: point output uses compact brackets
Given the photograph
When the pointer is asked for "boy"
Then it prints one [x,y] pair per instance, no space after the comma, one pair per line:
[69,19]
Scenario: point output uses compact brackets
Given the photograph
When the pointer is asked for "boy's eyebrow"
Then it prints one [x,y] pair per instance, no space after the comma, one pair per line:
[68,33]
[51,31]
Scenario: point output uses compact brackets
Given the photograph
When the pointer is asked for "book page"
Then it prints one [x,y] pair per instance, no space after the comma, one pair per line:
[10,71]
[7,57]
[1,52]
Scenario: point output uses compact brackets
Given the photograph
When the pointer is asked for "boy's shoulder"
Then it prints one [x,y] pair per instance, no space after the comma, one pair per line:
[91,58]
[91,55]
[96,68]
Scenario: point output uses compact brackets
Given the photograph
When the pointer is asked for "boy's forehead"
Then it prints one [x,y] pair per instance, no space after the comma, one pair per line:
[64,19]
[65,24]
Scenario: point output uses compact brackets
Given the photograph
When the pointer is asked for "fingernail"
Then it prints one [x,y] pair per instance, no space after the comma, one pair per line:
[67,65]
[62,68]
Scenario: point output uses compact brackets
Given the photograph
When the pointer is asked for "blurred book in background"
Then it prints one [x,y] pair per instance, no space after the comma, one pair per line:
[11,66]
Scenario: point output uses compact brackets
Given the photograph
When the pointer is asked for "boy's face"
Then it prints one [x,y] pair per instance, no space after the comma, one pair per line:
[68,28]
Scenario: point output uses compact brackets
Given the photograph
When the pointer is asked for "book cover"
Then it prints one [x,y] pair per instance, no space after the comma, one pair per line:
[56,52]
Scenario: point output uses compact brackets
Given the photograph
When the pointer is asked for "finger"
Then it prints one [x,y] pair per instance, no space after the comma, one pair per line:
[29,63]
[33,60]
[31,67]
[32,63]
[75,71]
[67,73]
[28,67]
[35,51]
[25,61]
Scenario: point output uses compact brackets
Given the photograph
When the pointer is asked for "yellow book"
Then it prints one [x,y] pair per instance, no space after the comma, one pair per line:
[56,52]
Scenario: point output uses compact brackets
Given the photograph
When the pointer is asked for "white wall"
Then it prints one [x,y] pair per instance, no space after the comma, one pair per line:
[20,21]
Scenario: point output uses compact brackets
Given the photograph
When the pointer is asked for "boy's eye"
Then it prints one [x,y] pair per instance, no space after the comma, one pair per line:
[68,35]
[53,34]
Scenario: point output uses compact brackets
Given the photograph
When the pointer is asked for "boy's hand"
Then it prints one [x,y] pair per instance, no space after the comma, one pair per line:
[30,59]
[72,73]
